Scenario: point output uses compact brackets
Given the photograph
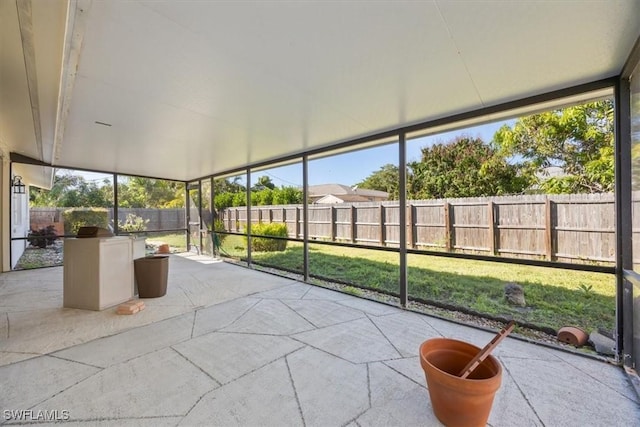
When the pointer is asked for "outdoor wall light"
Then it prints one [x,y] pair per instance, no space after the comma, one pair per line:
[18,186]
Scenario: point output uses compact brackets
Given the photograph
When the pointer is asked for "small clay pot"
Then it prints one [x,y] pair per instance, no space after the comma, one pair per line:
[572,335]
[163,249]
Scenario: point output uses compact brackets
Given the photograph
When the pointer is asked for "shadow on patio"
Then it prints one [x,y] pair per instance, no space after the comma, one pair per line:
[233,346]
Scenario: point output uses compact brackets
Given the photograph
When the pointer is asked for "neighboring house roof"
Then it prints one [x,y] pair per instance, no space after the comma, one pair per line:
[371,193]
[330,198]
[551,172]
[324,189]
[548,173]
[364,195]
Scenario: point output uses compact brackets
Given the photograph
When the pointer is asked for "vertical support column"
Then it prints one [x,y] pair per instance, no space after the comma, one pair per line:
[187,214]
[382,226]
[248,198]
[7,216]
[305,211]
[200,221]
[447,227]
[402,196]
[492,227]
[214,216]
[624,212]
[115,205]
[548,229]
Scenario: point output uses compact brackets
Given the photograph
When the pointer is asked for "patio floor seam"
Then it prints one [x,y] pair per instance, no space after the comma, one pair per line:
[193,304]
[257,300]
[421,384]
[293,385]
[385,336]
[219,383]
[299,314]
[522,393]
[98,371]
[307,291]
[243,314]
[325,351]
[75,361]
[598,381]
[261,366]
[368,389]
[335,324]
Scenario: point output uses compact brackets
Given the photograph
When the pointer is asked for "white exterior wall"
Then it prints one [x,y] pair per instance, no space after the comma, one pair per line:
[19,224]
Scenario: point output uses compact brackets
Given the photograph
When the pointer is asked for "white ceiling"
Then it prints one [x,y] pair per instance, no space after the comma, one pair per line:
[192,88]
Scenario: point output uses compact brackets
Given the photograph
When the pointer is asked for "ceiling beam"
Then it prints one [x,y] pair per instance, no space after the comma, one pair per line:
[28,49]
[74,35]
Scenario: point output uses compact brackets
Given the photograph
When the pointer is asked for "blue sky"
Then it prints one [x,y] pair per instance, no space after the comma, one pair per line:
[351,168]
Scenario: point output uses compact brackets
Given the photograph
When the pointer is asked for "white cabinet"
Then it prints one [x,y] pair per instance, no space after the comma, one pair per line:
[98,272]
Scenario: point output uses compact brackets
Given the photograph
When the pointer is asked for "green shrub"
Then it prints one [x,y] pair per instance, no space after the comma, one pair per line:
[265,244]
[133,223]
[42,237]
[79,217]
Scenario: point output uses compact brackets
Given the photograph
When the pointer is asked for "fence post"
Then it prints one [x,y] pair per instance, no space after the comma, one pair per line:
[382,227]
[411,241]
[548,229]
[284,221]
[237,220]
[354,232]
[270,215]
[297,222]
[333,225]
[447,226]
[492,227]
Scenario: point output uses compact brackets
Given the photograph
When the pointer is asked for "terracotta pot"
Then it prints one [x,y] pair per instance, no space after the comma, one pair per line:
[163,249]
[572,335]
[456,401]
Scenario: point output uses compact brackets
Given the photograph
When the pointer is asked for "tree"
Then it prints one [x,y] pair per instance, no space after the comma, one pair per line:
[577,139]
[385,179]
[137,192]
[231,185]
[465,167]
[287,196]
[73,191]
[264,182]
[223,200]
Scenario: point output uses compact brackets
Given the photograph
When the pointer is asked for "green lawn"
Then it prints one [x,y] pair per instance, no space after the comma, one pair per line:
[176,241]
[555,297]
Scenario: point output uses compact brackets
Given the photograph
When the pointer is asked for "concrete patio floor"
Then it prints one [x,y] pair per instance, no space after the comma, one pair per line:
[232,346]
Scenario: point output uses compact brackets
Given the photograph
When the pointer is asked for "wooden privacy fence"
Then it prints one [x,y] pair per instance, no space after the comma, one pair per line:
[567,228]
[159,219]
